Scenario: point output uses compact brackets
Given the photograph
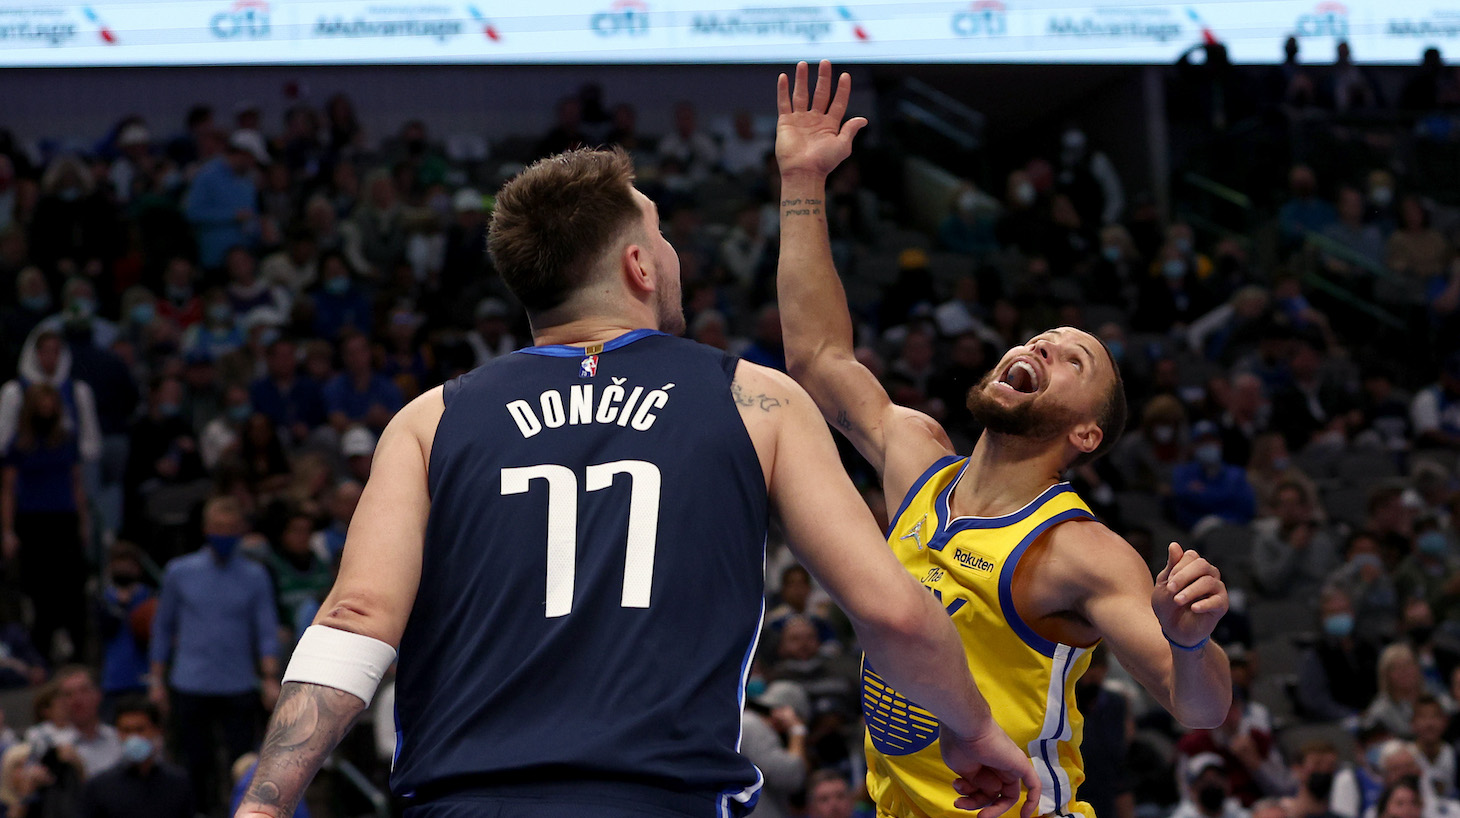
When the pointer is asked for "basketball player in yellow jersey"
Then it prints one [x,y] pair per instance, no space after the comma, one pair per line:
[1031,580]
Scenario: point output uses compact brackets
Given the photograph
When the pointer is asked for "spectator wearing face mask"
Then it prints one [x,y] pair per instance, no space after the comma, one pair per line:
[1148,458]
[1304,211]
[1315,768]
[32,304]
[142,784]
[222,203]
[1209,791]
[1431,572]
[164,447]
[1336,677]
[1207,487]
[1365,580]
[214,648]
[124,658]
[1359,786]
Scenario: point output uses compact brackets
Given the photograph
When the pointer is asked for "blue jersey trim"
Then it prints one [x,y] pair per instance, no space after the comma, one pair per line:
[565,351]
[952,525]
[1006,581]
[917,486]
[750,795]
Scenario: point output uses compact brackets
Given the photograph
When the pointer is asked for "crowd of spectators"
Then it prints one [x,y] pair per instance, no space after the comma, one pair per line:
[202,335]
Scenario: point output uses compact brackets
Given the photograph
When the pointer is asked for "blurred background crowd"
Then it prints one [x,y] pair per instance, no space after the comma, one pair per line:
[205,325]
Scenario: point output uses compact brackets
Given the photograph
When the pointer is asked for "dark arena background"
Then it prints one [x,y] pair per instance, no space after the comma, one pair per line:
[234,239]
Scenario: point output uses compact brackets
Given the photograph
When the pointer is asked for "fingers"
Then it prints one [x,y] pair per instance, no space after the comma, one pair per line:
[823,87]
[783,95]
[838,109]
[798,91]
[1173,556]
[1000,805]
[1191,568]
[1204,586]
[851,128]
[1214,604]
[1033,790]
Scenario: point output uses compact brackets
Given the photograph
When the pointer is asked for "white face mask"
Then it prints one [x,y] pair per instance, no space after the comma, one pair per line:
[1024,193]
[968,201]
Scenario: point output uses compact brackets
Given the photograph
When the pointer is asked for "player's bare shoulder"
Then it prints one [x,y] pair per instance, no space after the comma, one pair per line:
[1088,556]
[418,420]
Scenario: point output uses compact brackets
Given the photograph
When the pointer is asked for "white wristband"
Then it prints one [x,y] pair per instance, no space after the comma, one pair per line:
[341,660]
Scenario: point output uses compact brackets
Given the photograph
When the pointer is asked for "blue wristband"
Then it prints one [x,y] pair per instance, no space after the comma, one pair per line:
[1189,649]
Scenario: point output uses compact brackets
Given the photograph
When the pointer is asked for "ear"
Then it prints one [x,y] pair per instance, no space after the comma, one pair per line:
[638,268]
[1086,437]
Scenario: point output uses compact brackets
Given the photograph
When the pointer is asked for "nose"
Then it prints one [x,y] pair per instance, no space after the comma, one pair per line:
[1042,348]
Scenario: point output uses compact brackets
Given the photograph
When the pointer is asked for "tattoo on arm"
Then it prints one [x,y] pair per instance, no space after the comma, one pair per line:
[762,400]
[842,420]
[800,207]
[308,722]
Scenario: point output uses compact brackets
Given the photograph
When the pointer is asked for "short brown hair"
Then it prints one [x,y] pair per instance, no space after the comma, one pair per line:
[1111,416]
[554,219]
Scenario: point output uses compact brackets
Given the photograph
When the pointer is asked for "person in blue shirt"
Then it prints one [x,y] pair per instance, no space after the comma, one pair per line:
[290,399]
[44,517]
[339,303]
[360,394]
[1207,487]
[124,656]
[222,204]
[215,647]
[1305,212]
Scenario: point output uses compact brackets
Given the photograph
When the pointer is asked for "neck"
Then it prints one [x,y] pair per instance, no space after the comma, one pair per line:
[583,332]
[1429,748]
[1004,473]
[87,728]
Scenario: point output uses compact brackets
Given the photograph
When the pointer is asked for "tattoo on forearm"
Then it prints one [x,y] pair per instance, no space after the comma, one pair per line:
[842,420]
[800,207]
[309,720]
[764,401]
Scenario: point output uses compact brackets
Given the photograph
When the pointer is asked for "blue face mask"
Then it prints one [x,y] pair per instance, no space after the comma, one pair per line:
[337,286]
[136,750]
[1209,454]
[143,313]
[1175,268]
[240,412]
[36,303]
[1339,626]
[1117,349]
[1184,245]
[755,688]
[84,307]
[1111,252]
[220,313]
[224,545]
[69,194]
[1362,561]
[1433,543]
[169,410]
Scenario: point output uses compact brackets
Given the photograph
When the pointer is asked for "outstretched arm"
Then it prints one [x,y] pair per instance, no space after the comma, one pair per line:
[373,596]
[811,141]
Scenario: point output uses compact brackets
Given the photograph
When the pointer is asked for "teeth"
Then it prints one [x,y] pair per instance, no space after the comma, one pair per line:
[1033,375]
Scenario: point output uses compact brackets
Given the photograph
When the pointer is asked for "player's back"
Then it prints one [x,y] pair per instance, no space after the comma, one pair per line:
[591,585]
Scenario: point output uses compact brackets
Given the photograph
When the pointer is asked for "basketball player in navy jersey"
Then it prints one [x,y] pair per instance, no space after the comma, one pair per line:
[567,547]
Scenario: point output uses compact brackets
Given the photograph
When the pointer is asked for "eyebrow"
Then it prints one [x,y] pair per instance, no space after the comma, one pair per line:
[1088,353]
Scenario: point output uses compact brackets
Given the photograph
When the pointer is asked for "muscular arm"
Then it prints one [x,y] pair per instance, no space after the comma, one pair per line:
[1119,600]
[903,630]
[379,575]
[899,442]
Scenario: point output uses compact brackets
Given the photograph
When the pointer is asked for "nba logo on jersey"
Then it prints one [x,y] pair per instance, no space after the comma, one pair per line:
[589,367]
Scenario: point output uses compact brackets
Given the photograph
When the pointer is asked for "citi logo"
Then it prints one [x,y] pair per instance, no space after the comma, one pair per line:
[973,561]
[1328,19]
[245,18]
[983,18]
[624,17]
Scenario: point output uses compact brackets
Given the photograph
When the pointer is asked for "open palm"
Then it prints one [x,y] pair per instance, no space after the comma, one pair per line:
[810,134]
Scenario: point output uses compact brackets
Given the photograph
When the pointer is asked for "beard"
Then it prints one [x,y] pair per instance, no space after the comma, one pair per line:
[1028,419]
[669,306]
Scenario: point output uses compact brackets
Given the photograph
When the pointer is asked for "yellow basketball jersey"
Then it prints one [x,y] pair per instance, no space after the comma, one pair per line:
[968,563]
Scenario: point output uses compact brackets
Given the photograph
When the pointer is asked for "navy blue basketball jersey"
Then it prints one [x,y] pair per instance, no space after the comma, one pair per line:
[592,583]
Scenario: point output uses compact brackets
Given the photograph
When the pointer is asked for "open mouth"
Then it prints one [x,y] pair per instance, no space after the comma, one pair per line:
[1021,377]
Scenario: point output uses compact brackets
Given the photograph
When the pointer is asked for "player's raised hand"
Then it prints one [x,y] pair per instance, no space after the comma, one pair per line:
[810,134]
[1189,598]
[990,768]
